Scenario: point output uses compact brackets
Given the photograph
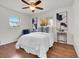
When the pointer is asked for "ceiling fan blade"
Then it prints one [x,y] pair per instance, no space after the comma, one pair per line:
[39,8]
[25,7]
[38,2]
[25,2]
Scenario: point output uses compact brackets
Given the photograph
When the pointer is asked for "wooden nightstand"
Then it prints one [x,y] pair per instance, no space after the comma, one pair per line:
[62,37]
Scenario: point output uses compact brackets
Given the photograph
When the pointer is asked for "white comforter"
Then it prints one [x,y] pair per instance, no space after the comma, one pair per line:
[36,43]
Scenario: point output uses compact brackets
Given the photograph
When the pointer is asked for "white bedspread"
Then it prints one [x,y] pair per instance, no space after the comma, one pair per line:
[36,43]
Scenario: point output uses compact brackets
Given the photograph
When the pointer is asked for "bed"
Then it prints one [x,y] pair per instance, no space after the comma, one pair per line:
[37,43]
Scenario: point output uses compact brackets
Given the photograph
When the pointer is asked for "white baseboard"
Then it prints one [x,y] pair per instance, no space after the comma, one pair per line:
[76,50]
[8,42]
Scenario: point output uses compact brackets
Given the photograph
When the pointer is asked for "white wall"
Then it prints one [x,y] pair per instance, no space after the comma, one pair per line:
[52,13]
[76,25]
[8,34]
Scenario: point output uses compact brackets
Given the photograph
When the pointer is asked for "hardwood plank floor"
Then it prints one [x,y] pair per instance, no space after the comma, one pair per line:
[60,50]
[57,51]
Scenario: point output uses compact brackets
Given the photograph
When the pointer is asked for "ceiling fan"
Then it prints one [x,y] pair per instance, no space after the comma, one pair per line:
[32,5]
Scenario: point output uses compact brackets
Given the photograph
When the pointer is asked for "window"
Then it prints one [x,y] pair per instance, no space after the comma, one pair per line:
[13,21]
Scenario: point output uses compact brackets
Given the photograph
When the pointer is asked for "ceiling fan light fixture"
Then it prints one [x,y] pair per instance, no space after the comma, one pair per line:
[32,5]
[32,8]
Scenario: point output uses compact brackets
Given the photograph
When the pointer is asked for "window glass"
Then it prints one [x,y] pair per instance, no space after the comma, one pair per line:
[13,21]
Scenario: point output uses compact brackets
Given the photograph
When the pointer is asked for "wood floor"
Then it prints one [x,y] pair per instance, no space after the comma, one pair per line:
[57,51]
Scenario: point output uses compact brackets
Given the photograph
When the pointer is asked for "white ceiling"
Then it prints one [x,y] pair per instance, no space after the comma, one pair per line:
[46,4]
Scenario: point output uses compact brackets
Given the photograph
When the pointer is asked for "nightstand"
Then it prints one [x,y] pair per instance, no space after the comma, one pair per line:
[62,37]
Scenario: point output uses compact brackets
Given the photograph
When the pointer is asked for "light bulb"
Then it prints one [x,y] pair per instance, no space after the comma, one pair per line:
[32,8]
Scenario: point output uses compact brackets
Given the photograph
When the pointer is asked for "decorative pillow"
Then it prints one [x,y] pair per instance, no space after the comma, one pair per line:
[43,29]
